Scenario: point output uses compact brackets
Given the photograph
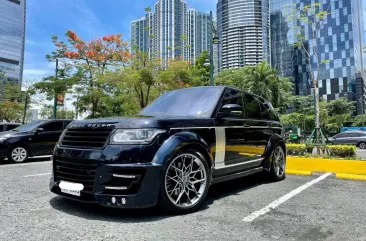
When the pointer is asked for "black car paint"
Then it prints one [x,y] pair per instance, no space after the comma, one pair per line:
[37,143]
[258,137]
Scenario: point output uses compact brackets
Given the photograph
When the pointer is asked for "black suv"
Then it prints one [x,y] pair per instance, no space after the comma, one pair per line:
[4,126]
[182,143]
[33,139]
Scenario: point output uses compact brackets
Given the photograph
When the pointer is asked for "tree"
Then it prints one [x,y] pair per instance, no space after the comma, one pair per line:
[341,106]
[261,80]
[310,17]
[90,61]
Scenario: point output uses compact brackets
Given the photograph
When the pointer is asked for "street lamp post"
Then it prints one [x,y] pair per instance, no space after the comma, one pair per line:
[55,100]
[209,62]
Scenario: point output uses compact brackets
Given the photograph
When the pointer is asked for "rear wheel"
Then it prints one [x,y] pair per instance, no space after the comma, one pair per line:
[185,183]
[278,164]
[18,154]
[362,145]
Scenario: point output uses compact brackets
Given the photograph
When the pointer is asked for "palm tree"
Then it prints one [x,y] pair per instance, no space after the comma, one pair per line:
[265,81]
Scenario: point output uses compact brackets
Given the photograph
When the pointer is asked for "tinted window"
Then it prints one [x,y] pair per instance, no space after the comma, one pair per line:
[10,127]
[352,135]
[28,127]
[341,135]
[197,102]
[362,134]
[252,110]
[54,126]
[234,97]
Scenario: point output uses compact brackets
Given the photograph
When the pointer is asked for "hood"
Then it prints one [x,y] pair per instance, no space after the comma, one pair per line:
[11,133]
[142,123]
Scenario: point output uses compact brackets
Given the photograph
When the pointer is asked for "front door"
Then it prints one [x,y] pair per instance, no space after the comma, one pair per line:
[232,141]
[43,142]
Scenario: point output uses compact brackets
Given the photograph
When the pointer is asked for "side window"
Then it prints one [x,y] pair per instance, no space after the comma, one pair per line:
[2,128]
[362,134]
[10,127]
[267,110]
[342,135]
[54,126]
[352,135]
[252,109]
[233,97]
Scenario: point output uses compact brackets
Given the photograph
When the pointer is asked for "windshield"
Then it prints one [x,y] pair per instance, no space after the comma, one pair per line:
[28,127]
[197,102]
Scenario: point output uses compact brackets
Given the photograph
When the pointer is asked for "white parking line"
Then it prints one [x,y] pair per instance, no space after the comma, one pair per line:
[25,164]
[37,175]
[283,199]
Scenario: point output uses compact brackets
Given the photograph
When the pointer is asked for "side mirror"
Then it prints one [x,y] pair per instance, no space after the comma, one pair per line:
[231,110]
[39,130]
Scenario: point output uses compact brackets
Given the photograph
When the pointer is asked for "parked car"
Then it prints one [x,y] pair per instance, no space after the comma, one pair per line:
[33,139]
[4,126]
[357,138]
[182,143]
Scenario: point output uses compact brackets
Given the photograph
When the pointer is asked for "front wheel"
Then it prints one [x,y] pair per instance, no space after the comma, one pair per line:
[18,154]
[185,183]
[278,164]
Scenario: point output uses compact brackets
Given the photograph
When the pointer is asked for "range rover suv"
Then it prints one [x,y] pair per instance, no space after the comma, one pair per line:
[182,143]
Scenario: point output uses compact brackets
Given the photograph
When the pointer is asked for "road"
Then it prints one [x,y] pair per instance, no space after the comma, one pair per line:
[329,209]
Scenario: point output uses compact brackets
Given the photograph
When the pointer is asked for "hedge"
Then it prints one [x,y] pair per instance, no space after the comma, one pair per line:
[331,150]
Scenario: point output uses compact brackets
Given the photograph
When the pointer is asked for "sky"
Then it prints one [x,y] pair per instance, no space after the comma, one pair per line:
[89,19]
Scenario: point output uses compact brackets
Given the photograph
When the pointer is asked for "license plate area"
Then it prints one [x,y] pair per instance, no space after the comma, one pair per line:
[71,188]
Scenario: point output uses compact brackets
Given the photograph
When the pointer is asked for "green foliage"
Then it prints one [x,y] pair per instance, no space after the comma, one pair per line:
[359,120]
[261,80]
[343,151]
[341,106]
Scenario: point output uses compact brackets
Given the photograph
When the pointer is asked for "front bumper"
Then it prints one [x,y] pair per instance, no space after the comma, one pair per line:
[138,184]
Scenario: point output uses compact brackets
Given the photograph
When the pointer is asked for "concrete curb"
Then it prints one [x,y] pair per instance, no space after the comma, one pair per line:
[344,169]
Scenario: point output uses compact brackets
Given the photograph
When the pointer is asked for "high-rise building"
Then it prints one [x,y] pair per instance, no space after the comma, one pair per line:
[339,46]
[172,31]
[243,31]
[12,35]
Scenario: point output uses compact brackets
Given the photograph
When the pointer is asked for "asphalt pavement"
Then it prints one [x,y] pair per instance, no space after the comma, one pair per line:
[317,207]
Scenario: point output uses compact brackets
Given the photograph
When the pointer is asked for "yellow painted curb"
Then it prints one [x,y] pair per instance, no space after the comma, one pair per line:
[351,176]
[325,165]
[298,172]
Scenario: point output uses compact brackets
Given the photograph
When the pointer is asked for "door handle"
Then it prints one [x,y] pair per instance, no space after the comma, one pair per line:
[245,125]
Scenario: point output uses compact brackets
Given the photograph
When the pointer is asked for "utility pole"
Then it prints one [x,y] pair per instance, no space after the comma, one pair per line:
[55,100]
[362,113]
[25,106]
[211,52]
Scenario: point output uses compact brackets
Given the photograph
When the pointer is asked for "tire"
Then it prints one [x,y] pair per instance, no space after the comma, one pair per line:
[18,154]
[178,193]
[278,164]
[362,145]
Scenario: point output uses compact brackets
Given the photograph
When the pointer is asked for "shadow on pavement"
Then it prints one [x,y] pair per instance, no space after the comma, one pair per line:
[97,212]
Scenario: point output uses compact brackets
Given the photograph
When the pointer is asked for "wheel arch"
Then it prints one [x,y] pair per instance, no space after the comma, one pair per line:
[272,144]
[179,141]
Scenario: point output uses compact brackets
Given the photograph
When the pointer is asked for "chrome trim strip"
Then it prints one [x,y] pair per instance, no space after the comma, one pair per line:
[242,163]
[124,176]
[228,127]
[220,147]
[115,188]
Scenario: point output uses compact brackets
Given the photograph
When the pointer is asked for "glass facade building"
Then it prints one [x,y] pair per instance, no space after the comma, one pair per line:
[172,31]
[12,35]
[243,30]
[339,45]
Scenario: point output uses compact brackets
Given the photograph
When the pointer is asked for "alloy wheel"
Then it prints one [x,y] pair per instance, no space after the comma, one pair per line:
[185,180]
[362,145]
[279,161]
[19,154]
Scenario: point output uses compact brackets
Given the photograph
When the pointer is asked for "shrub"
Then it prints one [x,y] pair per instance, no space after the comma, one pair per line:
[342,150]
[333,150]
[296,149]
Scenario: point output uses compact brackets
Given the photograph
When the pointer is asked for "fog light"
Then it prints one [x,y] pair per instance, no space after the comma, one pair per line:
[113,200]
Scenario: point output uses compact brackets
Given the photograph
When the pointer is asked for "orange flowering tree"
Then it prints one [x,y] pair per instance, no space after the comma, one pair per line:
[90,60]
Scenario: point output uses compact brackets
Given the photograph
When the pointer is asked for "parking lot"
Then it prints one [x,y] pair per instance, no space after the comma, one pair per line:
[245,209]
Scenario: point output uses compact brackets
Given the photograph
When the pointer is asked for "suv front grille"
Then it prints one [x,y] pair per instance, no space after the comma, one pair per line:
[86,138]
[75,170]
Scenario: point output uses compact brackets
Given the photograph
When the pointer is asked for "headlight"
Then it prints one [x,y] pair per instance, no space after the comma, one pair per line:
[135,136]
